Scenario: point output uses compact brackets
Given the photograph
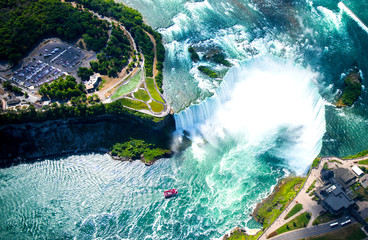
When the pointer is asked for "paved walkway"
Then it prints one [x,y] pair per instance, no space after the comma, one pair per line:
[310,205]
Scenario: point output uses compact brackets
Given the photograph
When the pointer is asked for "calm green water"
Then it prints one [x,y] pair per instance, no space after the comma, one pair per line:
[271,115]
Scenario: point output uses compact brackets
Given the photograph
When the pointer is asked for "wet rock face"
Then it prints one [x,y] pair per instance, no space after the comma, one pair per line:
[24,142]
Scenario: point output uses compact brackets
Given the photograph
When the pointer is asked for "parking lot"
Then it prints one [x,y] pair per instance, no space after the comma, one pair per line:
[47,63]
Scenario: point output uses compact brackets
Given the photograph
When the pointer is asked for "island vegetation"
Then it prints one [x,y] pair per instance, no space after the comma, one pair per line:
[352,89]
[208,71]
[193,54]
[138,149]
[218,57]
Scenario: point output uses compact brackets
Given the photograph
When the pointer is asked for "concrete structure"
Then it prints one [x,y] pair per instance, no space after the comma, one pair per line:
[334,198]
[345,177]
[93,82]
[357,170]
[13,101]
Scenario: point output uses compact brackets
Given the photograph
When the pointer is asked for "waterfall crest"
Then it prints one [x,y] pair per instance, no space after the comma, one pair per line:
[266,103]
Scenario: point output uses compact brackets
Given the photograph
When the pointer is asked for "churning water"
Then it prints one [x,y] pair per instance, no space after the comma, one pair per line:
[270,115]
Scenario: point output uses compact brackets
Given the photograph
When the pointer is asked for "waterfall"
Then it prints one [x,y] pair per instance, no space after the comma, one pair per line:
[266,103]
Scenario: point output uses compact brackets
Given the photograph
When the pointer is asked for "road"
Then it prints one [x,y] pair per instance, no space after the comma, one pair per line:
[311,206]
[312,231]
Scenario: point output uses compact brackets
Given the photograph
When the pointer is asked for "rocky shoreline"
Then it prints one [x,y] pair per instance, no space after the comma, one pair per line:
[29,142]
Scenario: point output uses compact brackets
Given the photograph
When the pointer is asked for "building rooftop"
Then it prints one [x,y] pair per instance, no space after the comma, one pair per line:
[357,170]
[335,198]
[345,177]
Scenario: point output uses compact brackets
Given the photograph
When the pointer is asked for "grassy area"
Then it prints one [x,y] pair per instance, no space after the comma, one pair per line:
[327,217]
[156,107]
[267,211]
[350,232]
[358,155]
[298,222]
[361,193]
[237,235]
[325,166]
[101,84]
[316,162]
[336,161]
[151,88]
[135,104]
[313,185]
[294,210]
[142,95]
[127,88]
[363,162]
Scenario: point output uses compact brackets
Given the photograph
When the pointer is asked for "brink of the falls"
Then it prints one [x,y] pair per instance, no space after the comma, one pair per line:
[267,104]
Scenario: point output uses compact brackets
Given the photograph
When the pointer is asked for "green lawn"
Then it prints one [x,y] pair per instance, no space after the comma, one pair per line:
[135,104]
[327,217]
[316,162]
[242,236]
[156,107]
[363,162]
[294,210]
[313,185]
[298,222]
[350,232]
[325,166]
[101,84]
[151,88]
[276,202]
[358,155]
[142,95]
[336,161]
[127,88]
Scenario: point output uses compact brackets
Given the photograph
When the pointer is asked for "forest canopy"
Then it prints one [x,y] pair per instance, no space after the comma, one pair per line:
[24,23]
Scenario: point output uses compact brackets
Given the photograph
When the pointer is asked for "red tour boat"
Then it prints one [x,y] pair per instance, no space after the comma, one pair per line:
[170,193]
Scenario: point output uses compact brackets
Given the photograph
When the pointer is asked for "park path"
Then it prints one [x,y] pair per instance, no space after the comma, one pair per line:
[303,197]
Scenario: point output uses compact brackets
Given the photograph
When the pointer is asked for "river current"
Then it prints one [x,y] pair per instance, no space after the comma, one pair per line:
[266,117]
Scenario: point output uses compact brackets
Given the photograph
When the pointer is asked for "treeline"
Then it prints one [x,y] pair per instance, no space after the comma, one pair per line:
[63,111]
[132,20]
[62,89]
[14,89]
[115,56]
[23,23]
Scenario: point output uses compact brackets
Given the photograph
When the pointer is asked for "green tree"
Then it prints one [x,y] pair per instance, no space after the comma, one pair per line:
[84,73]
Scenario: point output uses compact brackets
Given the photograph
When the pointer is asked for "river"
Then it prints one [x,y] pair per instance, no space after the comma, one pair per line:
[267,116]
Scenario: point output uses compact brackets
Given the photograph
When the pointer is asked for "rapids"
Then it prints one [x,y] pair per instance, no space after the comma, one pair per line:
[264,119]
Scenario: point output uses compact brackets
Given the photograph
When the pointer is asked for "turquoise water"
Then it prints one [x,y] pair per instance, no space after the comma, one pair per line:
[269,116]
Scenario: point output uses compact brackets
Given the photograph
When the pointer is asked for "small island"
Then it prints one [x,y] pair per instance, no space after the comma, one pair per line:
[208,71]
[352,89]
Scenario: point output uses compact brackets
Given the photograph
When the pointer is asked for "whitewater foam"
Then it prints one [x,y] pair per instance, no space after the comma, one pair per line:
[353,16]
[264,103]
